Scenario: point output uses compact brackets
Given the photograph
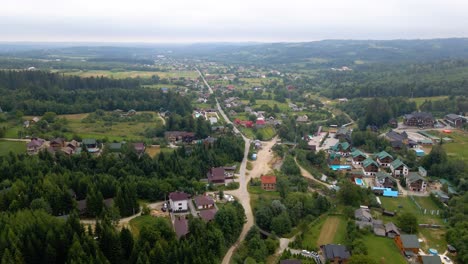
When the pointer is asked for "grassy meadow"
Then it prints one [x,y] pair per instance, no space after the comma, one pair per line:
[13,146]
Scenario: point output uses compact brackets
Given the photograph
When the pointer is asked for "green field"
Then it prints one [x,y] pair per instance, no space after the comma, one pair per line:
[137,223]
[434,238]
[331,229]
[383,250]
[15,147]
[459,147]
[407,205]
[113,131]
[420,100]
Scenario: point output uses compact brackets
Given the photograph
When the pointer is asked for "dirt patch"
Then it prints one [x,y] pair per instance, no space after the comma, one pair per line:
[153,150]
[328,231]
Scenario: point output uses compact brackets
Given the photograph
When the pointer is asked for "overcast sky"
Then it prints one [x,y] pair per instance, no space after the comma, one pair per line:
[230,20]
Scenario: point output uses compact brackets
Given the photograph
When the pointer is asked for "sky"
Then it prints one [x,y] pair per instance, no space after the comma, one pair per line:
[181,21]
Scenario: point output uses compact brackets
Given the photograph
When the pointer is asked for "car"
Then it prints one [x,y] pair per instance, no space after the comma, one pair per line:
[305,252]
[447,259]
[164,209]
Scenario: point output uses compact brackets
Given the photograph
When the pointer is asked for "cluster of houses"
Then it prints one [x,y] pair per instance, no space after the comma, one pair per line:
[382,167]
[181,204]
[208,114]
[74,147]
[364,219]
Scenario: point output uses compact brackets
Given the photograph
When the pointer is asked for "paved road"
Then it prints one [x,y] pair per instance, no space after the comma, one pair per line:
[16,139]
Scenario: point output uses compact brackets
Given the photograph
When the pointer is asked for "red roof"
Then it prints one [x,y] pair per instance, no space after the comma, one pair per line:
[260,122]
[268,179]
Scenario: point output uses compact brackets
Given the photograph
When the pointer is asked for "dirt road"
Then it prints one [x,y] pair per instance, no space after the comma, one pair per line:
[307,175]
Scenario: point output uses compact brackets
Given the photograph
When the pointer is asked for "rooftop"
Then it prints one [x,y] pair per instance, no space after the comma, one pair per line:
[268,179]
[178,196]
[409,241]
[332,251]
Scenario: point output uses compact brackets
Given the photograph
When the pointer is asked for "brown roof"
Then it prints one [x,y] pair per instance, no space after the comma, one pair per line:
[202,200]
[181,227]
[139,146]
[216,174]
[178,196]
[268,179]
[208,215]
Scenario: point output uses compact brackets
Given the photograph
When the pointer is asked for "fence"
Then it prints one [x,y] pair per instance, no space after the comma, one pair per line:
[425,211]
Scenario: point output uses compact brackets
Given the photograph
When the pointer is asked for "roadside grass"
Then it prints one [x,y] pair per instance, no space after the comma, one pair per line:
[249,165]
[12,146]
[420,100]
[383,250]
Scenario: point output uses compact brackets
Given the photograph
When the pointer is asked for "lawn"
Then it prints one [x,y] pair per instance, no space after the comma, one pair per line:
[137,223]
[331,229]
[266,133]
[459,147]
[407,205]
[383,250]
[15,147]
[427,203]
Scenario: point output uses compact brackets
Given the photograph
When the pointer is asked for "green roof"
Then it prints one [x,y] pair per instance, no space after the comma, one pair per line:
[413,176]
[367,162]
[383,175]
[115,146]
[383,154]
[397,163]
[340,145]
[357,153]
[409,241]
[89,141]
[334,155]
[421,168]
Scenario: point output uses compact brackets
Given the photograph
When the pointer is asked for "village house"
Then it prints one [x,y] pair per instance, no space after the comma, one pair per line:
[363,215]
[334,158]
[335,254]
[344,148]
[358,157]
[384,159]
[415,182]
[268,182]
[260,123]
[399,140]
[178,201]
[174,136]
[407,244]
[398,168]
[115,147]
[422,171]
[57,143]
[370,167]
[35,145]
[208,215]
[343,134]
[139,147]
[454,120]
[203,202]
[419,119]
[216,175]
[90,143]
[391,230]
[384,180]
[302,119]
[393,123]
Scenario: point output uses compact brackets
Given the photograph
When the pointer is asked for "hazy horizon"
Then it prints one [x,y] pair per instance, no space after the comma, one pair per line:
[207,21]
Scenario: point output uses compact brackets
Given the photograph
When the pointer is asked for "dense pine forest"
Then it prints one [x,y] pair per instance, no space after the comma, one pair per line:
[37,92]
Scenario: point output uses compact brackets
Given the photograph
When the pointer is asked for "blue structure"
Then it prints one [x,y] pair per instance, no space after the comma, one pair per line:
[419,152]
[433,251]
[254,156]
[387,192]
[340,167]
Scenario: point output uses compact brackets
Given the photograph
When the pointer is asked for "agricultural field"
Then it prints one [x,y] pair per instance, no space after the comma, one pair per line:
[132,74]
[12,146]
[383,249]
[331,229]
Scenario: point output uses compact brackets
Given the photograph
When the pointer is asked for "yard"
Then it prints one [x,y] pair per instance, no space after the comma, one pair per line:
[15,147]
[405,204]
[459,147]
[383,250]
[433,238]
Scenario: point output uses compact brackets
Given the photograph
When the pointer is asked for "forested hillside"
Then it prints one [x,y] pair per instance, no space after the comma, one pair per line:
[37,92]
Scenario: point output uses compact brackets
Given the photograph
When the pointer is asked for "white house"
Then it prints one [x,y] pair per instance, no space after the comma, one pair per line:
[178,201]
[398,168]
